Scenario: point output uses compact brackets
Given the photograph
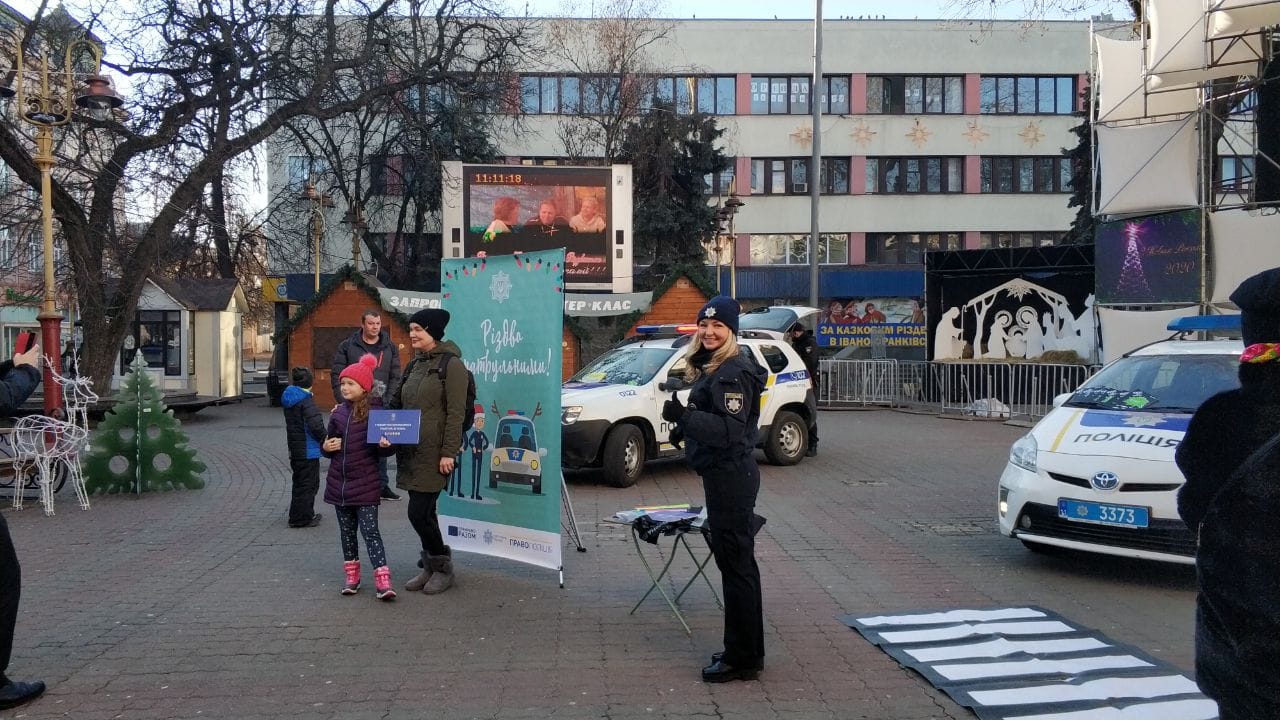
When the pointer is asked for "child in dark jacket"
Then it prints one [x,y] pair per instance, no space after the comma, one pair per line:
[352,485]
[304,428]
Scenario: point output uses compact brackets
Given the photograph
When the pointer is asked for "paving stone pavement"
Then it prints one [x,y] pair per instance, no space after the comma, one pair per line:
[202,604]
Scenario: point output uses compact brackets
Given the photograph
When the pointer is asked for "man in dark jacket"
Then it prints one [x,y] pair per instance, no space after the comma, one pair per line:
[375,341]
[1231,499]
[304,428]
[18,379]
[807,348]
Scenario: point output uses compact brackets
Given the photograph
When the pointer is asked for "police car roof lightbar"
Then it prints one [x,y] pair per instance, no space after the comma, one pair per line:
[684,329]
[1205,323]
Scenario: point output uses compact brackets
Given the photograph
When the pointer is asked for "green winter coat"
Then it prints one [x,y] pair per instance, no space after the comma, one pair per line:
[440,435]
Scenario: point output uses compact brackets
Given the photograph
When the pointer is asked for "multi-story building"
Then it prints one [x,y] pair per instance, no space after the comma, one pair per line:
[934,135]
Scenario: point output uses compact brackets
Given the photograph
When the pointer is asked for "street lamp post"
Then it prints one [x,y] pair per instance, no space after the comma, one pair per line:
[726,215]
[319,201]
[355,218]
[46,107]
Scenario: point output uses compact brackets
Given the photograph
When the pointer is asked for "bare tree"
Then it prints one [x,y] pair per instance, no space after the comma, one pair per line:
[607,65]
[210,80]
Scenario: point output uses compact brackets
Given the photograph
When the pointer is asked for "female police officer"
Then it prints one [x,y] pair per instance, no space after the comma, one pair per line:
[719,429]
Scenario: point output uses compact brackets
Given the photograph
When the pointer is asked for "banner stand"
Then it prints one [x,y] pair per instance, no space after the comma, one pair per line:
[570,522]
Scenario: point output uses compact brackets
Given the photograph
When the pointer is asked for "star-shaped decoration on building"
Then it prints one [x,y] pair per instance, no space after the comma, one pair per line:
[862,134]
[975,134]
[1032,134]
[803,135]
[1143,420]
[919,134]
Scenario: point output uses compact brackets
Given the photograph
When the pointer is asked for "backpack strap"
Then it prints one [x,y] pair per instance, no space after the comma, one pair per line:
[443,366]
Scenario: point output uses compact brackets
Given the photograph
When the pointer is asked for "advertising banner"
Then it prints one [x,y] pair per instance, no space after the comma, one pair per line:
[846,322]
[1154,259]
[506,316]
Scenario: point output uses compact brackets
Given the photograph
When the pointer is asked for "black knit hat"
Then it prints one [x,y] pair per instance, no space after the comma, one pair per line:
[722,308]
[433,320]
[1259,301]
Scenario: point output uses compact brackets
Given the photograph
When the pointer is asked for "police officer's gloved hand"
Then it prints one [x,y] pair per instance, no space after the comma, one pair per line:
[673,410]
[676,438]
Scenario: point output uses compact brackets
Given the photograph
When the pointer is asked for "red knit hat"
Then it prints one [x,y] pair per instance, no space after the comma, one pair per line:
[361,372]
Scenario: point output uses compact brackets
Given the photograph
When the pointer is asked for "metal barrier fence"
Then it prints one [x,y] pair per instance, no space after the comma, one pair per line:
[973,389]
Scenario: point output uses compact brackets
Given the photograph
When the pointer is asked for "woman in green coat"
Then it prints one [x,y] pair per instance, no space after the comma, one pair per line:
[423,469]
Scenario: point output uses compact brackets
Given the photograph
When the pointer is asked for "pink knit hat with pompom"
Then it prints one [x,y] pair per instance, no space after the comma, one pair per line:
[361,372]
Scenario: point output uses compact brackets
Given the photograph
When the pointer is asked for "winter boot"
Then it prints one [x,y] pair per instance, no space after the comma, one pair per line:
[441,572]
[419,581]
[352,568]
[382,583]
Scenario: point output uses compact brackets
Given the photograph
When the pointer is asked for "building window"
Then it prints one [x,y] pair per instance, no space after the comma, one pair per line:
[988,240]
[789,95]
[790,176]
[391,174]
[1235,173]
[303,169]
[833,95]
[1036,174]
[1027,95]
[157,334]
[915,94]
[793,249]
[721,183]
[914,175]
[690,94]
[908,248]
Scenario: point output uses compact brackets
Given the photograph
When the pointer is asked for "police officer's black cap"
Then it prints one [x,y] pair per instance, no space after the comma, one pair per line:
[1259,301]
[722,308]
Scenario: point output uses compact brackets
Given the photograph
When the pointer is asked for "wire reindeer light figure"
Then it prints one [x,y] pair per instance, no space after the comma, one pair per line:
[45,442]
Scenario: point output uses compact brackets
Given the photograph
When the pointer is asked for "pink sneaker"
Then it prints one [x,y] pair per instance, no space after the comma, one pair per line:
[382,582]
[352,569]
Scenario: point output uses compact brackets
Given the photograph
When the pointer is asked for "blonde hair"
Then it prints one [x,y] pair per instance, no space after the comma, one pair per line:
[726,351]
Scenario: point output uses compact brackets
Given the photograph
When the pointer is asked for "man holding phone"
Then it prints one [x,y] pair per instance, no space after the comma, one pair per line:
[18,379]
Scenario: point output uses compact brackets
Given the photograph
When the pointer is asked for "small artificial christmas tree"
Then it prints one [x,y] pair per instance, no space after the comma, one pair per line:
[140,446]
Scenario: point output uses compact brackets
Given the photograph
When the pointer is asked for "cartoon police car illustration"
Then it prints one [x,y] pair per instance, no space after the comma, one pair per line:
[516,456]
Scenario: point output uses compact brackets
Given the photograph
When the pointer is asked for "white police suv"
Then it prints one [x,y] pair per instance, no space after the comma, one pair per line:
[612,409]
[1097,473]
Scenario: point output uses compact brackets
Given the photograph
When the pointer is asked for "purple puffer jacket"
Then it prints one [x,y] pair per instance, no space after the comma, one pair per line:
[353,470]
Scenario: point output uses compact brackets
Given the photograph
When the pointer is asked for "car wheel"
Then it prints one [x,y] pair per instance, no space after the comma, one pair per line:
[537,486]
[788,439]
[624,456]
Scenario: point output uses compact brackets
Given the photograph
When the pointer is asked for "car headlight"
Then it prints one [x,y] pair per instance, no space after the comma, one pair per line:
[1023,452]
[569,415]
[533,464]
[496,460]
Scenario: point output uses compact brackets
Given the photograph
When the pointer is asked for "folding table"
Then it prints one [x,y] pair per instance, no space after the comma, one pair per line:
[679,533]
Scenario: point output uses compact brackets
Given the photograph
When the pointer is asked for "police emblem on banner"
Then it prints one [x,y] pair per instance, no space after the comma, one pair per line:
[733,402]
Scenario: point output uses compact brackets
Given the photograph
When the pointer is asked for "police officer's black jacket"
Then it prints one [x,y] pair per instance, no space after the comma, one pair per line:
[723,411]
[1235,511]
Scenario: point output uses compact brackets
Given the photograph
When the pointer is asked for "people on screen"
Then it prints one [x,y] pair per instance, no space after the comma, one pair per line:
[506,215]
[588,218]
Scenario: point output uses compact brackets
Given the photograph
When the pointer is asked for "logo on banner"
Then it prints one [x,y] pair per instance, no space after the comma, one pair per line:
[500,287]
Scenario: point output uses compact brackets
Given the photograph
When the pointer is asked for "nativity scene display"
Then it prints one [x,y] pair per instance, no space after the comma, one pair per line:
[1017,320]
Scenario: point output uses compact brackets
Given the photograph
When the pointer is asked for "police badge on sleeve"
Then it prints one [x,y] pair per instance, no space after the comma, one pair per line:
[733,403]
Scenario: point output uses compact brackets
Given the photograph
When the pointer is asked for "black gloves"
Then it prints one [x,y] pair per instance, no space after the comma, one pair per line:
[672,410]
[676,438]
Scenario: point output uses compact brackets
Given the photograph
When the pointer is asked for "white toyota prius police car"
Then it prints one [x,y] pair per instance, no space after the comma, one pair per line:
[612,408]
[1097,473]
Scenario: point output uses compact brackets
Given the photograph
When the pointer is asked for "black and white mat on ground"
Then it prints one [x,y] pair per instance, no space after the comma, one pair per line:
[1027,663]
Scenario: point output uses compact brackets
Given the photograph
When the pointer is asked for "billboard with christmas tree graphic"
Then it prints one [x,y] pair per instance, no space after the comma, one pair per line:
[507,315]
[1149,260]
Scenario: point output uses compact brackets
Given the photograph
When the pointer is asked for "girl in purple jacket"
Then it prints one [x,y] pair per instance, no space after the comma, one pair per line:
[352,485]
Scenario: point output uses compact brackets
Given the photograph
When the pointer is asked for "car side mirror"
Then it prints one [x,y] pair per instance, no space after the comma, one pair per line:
[542,452]
[1059,400]
[673,384]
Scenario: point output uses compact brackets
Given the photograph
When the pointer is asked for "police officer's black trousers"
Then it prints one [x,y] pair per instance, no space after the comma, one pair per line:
[731,500]
[10,590]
